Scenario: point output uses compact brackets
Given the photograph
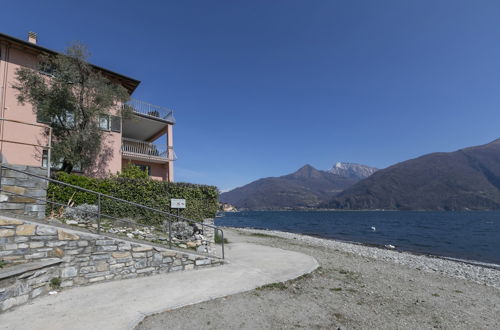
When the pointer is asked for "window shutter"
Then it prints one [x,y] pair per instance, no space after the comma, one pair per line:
[116,123]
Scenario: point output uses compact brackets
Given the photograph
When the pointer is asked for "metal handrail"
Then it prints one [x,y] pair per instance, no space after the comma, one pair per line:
[148,109]
[143,148]
[99,213]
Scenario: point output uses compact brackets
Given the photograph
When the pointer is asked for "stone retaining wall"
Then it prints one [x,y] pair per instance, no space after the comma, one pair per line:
[29,187]
[85,258]
[208,232]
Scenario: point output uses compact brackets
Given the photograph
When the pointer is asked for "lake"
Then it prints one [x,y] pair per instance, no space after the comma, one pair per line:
[473,235]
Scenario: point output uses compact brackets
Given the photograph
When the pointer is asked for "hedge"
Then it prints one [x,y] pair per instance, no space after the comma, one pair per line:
[201,200]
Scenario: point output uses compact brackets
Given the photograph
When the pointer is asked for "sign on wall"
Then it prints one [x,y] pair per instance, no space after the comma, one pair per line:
[178,203]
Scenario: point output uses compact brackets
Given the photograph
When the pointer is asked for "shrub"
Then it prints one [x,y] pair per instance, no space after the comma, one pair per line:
[201,200]
[81,213]
[55,283]
[134,172]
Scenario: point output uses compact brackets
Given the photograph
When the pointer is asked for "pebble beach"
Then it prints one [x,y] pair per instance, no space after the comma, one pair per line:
[355,287]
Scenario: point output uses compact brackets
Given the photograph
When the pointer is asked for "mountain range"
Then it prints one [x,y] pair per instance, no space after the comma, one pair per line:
[465,179]
[305,188]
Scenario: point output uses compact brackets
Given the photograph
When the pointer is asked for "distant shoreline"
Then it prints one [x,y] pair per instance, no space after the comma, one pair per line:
[360,210]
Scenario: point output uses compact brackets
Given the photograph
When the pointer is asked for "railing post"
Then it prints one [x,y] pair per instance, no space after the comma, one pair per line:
[222,236]
[1,170]
[98,213]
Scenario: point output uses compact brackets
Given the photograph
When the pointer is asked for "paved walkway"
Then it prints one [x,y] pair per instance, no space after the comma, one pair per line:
[123,304]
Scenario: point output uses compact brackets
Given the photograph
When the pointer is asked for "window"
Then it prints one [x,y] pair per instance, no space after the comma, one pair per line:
[47,69]
[116,124]
[68,119]
[45,158]
[41,118]
[145,168]
[104,122]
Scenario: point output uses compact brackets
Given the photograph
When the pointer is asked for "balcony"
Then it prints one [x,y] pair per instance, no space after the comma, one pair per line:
[147,120]
[151,111]
[146,151]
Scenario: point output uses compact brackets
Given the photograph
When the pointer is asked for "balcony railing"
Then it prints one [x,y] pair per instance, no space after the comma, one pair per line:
[146,150]
[151,110]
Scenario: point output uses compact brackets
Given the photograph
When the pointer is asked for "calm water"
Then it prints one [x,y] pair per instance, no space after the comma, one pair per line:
[463,235]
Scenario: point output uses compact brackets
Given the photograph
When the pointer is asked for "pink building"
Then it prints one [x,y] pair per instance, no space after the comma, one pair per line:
[145,139]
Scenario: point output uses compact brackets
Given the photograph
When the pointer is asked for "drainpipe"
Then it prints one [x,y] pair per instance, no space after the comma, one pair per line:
[3,92]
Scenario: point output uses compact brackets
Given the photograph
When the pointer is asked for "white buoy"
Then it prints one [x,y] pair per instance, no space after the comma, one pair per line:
[373,228]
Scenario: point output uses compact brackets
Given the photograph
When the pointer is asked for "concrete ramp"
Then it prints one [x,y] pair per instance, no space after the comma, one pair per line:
[122,304]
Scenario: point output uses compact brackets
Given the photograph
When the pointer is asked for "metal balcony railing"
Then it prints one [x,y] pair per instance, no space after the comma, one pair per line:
[143,148]
[150,110]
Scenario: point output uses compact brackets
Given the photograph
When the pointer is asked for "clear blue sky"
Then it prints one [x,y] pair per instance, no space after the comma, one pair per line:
[262,87]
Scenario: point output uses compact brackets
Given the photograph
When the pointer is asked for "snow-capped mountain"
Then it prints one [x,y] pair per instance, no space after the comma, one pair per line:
[352,170]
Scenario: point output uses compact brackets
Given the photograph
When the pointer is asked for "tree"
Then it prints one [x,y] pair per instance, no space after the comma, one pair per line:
[72,96]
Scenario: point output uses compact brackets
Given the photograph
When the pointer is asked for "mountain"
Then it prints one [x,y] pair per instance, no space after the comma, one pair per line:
[465,179]
[305,188]
[352,170]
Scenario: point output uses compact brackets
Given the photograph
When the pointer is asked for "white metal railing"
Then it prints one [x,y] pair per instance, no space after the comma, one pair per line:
[144,148]
[149,109]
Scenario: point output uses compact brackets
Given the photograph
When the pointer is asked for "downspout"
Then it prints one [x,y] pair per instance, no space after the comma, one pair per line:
[5,57]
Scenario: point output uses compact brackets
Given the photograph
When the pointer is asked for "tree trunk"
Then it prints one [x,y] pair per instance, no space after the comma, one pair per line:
[67,167]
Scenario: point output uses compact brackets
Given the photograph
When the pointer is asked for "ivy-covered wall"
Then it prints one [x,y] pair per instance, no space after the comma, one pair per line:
[201,200]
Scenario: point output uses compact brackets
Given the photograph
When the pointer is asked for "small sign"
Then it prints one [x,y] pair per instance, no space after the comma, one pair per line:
[178,203]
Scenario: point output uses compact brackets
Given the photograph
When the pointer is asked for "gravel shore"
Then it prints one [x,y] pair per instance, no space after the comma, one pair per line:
[457,269]
[356,287]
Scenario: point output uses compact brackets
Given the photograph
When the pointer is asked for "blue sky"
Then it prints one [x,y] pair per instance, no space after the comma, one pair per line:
[262,87]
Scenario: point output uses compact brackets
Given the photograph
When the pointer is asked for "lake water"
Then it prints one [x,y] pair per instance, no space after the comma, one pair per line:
[463,235]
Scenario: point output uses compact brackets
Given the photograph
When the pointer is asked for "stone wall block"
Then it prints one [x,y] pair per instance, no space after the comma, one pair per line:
[7,222]
[65,236]
[141,263]
[11,206]
[44,230]
[14,174]
[14,189]
[26,230]
[7,232]
[104,242]
[106,248]
[69,272]
[120,255]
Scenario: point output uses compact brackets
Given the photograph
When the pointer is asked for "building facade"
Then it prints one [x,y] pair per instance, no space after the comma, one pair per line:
[145,139]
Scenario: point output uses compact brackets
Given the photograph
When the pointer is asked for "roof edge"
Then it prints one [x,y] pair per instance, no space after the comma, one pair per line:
[133,83]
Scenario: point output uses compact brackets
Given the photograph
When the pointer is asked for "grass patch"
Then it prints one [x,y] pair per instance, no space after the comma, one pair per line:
[274,286]
[335,289]
[458,291]
[261,235]
[350,275]
[55,283]
[218,238]
[435,294]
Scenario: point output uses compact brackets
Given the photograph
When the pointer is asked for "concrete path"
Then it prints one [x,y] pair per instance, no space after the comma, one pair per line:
[123,304]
